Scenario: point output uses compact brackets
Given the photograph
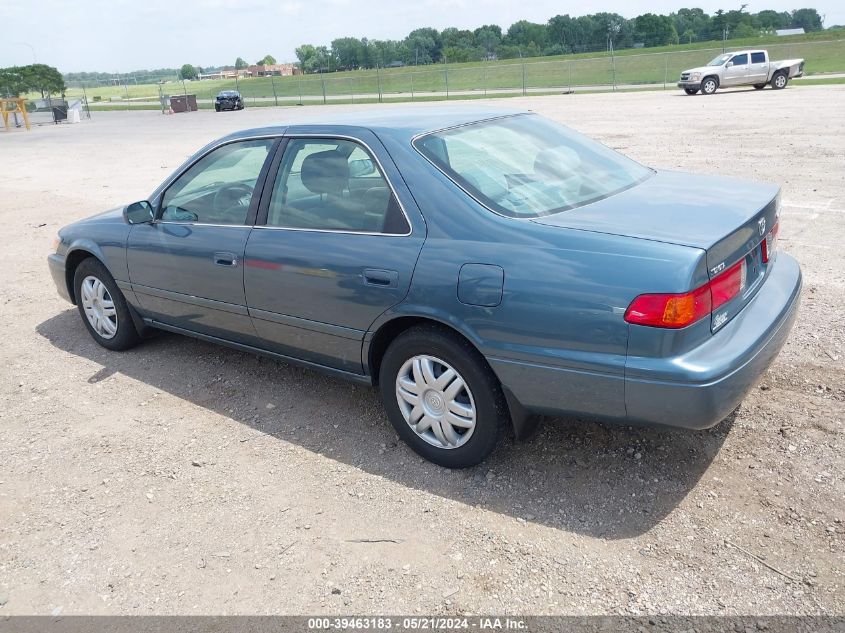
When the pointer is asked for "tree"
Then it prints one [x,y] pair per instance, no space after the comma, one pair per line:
[807,19]
[187,72]
[267,60]
[655,30]
[19,80]
[523,33]
[240,63]
[424,45]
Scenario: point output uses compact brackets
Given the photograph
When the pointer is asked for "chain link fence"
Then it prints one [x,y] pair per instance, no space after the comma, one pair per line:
[442,81]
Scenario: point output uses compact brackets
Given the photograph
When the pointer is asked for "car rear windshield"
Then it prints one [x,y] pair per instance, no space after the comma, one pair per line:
[525,166]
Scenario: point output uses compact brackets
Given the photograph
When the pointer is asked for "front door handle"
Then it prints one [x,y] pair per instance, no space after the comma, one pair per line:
[380,278]
[226,259]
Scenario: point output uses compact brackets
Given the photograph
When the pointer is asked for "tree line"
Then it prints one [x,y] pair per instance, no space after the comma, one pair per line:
[562,34]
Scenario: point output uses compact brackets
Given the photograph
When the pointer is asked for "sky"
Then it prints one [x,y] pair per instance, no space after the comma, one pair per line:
[126,35]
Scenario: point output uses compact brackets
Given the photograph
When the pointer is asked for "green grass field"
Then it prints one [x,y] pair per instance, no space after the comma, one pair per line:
[645,67]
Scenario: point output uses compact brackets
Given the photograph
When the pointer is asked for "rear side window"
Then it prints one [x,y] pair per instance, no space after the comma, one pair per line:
[740,60]
[333,185]
[758,58]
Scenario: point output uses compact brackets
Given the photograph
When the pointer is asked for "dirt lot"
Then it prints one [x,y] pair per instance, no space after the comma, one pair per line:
[185,478]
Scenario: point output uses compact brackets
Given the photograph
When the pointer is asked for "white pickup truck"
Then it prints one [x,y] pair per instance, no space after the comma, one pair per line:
[740,68]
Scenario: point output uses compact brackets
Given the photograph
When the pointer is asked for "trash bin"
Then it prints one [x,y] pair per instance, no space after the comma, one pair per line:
[59,112]
[183,103]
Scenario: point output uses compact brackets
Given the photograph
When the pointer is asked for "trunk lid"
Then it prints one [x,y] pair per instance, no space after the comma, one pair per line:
[727,218]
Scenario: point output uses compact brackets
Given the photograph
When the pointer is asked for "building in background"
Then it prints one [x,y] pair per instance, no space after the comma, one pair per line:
[278,70]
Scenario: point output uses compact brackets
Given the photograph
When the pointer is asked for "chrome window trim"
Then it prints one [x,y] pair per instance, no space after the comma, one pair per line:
[342,137]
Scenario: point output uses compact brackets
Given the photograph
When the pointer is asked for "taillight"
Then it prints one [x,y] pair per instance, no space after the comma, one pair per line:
[680,310]
[769,244]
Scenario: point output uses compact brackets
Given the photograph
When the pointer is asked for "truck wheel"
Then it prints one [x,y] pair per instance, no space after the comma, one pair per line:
[709,85]
[779,81]
[759,86]
[690,91]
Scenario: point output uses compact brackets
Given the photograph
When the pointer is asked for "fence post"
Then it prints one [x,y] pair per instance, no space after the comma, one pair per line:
[446,74]
[412,86]
[485,80]
[523,73]
[569,67]
[613,64]
[378,81]
[323,81]
[299,83]
[273,84]
[666,71]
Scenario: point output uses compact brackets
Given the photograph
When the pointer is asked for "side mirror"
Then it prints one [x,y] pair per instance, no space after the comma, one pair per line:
[139,213]
[729,64]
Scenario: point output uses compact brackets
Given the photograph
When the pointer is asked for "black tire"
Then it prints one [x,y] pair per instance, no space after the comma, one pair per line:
[779,80]
[491,409]
[126,335]
[217,108]
[709,85]
[759,86]
[691,91]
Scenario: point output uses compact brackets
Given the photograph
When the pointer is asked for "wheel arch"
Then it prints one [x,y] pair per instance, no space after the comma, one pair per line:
[73,259]
[714,77]
[522,422]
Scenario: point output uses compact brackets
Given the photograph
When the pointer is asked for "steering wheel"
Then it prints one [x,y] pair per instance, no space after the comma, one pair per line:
[231,197]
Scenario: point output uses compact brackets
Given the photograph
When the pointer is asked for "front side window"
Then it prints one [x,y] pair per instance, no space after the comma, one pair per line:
[333,185]
[740,60]
[218,188]
[758,58]
[526,166]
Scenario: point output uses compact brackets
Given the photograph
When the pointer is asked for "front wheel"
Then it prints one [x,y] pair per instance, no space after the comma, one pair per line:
[102,306]
[779,81]
[217,108]
[759,86]
[709,85]
[691,91]
[442,397]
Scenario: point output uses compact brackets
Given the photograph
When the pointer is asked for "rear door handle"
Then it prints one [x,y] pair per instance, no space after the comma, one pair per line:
[226,259]
[380,278]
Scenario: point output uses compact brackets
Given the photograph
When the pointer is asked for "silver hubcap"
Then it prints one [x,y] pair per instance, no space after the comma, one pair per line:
[780,82]
[710,86]
[98,306]
[435,402]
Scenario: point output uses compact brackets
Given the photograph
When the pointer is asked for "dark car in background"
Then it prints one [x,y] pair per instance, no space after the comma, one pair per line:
[229,100]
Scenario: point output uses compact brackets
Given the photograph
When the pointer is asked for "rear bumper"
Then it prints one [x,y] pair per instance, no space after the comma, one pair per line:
[700,388]
[56,264]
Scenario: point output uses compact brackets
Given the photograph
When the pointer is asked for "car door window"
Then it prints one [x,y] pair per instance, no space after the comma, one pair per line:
[758,58]
[333,185]
[218,188]
[740,60]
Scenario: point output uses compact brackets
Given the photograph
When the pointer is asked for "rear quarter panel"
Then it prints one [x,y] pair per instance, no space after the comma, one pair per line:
[558,339]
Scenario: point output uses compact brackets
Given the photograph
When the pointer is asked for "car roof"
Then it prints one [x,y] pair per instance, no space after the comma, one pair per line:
[403,123]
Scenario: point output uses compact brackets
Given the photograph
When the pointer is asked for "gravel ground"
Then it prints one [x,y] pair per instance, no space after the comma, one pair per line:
[186,478]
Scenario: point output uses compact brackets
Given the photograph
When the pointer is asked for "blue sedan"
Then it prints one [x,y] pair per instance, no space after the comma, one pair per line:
[478,267]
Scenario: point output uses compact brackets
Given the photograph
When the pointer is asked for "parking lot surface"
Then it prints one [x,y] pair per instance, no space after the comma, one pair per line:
[186,478]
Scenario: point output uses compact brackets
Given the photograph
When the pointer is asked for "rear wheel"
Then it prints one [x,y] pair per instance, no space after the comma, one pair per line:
[779,81]
[759,86]
[691,91]
[102,306]
[441,397]
[709,85]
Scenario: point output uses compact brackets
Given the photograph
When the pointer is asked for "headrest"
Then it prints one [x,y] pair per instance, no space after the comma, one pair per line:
[325,172]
